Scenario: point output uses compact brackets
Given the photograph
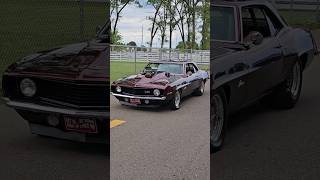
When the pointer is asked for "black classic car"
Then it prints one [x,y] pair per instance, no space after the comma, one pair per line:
[63,92]
[163,82]
[255,55]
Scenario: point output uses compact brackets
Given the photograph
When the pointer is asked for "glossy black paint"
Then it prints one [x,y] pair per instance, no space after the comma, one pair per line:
[247,73]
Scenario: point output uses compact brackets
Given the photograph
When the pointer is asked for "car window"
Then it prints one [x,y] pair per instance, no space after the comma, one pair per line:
[194,67]
[276,23]
[254,19]
[170,68]
[223,23]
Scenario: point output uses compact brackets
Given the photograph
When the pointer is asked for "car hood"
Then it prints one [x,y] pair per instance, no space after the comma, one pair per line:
[160,80]
[81,61]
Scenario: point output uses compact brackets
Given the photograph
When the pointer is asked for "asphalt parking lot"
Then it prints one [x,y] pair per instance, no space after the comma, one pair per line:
[270,144]
[161,143]
[27,156]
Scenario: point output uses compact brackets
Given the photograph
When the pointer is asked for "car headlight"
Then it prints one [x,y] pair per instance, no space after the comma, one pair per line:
[118,89]
[156,92]
[28,87]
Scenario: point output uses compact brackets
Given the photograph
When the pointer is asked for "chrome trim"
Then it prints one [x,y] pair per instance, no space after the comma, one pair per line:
[139,97]
[36,107]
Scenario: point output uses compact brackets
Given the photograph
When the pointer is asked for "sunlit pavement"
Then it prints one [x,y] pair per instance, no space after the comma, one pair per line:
[161,143]
[272,144]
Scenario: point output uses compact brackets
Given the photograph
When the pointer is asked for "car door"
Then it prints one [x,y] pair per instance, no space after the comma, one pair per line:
[265,59]
[190,79]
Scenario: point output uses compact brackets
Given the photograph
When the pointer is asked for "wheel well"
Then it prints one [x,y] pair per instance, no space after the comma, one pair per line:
[303,58]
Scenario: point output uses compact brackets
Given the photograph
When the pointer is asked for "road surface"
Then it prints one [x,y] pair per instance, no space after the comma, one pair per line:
[161,143]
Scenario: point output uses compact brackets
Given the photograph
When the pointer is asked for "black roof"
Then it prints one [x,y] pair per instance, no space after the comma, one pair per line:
[239,2]
[172,62]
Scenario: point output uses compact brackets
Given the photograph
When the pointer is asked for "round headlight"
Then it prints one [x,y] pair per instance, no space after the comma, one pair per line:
[156,92]
[118,89]
[28,87]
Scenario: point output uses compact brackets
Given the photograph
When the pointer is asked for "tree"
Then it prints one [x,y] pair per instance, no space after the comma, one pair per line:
[116,38]
[132,43]
[205,28]
[117,7]
[157,4]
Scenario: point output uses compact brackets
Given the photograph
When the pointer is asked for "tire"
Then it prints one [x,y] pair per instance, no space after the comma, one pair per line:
[176,101]
[287,94]
[200,90]
[218,120]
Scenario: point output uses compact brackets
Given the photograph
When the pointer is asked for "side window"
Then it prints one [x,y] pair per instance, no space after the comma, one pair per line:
[247,22]
[194,67]
[190,68]
[261,23]
[254,19]
[274,21]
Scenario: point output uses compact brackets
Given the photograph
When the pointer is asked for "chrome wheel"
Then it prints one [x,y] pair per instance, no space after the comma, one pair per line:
[177,100]
[294,82]
[217,118]
[202,87]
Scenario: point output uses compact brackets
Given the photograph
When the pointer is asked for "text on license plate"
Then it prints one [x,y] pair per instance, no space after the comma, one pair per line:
[85,125]
[135,101]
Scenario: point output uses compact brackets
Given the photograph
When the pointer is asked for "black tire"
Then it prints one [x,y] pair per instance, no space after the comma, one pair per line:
[219,114]
[174,105]
[200,90]
[287,94]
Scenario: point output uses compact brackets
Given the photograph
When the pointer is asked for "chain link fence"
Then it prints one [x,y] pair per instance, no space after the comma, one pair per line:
[35,25]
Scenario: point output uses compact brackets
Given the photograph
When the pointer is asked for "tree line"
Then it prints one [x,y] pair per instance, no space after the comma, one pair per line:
[189,17]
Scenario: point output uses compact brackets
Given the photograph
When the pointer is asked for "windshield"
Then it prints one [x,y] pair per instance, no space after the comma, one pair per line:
[223,23]
[162,67]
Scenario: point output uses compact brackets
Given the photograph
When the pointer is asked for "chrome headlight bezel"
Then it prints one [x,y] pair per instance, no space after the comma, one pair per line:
[118,89]
[156,92]
[28,87]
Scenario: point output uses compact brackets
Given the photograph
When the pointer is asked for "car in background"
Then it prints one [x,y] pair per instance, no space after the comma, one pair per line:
[255,56]
[161,83]
[63,92]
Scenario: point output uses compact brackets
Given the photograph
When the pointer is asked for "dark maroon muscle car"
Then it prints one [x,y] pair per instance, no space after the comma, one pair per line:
[63,92]
[255,56]
[161,83]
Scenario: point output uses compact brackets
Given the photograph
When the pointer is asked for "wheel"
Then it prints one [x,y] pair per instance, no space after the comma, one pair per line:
[200,90]
[218,120]
[287,94]
[175,103]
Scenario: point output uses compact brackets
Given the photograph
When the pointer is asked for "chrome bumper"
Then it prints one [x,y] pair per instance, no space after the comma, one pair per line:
[49,109]
[139,97]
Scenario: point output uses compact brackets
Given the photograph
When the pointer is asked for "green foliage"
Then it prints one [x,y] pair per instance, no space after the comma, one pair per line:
[116,38]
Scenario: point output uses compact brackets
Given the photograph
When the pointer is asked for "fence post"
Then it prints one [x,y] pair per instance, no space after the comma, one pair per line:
[81,19]
[135,59]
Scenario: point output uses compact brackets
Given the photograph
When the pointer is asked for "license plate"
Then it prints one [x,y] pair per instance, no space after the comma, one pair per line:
[135,101]
[85,125]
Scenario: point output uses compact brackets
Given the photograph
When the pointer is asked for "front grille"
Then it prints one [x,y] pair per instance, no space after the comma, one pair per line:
[82,95]
[136,91]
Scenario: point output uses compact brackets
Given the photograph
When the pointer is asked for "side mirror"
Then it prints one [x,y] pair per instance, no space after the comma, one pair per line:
[254,38]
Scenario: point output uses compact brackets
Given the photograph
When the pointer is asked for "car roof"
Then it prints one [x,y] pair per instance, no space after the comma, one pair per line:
[239,2]
[172,62]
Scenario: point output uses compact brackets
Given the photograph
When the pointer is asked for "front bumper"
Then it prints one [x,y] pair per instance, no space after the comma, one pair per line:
[37,115]
[152,100]
[139,97]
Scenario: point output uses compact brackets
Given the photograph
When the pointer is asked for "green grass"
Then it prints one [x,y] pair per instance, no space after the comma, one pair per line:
[34,25]
[306,19]
[124,69]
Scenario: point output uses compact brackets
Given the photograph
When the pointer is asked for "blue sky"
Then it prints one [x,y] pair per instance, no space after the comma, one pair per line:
[131,23]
